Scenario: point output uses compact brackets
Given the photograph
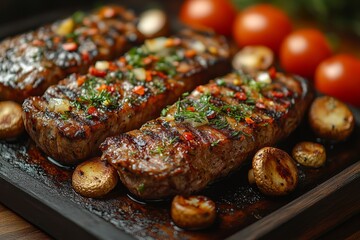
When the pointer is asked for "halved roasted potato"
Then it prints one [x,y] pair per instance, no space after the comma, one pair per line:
[275,172]
[331,119]
[253,58]
[11,123]
[94,178]
[194,212]
[309,154]
[153,23]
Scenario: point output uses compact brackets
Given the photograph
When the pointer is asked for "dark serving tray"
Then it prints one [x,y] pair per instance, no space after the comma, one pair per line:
[41,192]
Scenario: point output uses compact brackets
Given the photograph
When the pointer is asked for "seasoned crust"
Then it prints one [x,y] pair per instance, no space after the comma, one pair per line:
[189,147]
[33,61]
[72,118]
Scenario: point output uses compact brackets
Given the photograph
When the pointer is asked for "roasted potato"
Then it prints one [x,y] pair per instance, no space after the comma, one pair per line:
[331,119]
[94,178]
[275,172]
[194,212]
[309,154]
[253,58]
[251,177]
[11,123]
[153,23]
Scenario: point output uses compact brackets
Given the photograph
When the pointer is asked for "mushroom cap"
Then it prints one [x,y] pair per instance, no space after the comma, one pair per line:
[331,119]
[275,171]
[253,58]
[94,178]
[309,154]
[193,212]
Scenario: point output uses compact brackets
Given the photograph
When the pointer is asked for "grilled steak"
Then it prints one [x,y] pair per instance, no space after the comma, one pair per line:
[72,118]
[208,134]
[31,62]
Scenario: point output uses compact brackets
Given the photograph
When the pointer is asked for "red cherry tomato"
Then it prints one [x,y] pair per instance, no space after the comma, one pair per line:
[261,24]
[339,76]
[303,50]
[216,14]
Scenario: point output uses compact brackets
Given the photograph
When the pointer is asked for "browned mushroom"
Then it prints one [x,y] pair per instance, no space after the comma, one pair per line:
[309,154]
[331,119]
[275,172]
[194,212]
[11,123]
[253,58]
[94,178]
[153,23]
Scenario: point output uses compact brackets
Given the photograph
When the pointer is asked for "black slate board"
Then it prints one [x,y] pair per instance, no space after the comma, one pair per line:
[41,192]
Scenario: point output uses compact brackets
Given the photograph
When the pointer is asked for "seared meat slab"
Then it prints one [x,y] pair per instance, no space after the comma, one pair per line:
[72,118]
[31,62]
[207,134]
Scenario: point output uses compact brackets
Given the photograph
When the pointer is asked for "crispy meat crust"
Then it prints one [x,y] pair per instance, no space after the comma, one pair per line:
[208,134]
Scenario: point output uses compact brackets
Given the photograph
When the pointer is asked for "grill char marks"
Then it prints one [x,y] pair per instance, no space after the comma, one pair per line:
[119,96]
[31,62]
[209,134]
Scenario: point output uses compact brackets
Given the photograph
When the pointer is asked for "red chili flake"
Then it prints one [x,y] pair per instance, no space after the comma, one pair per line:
[160,74]
[188,136]
[80,81]
[92,110]
[149,59]
[171,42]
[272,72]
[191,109]
[260,105]
[190,53]
[91,31]
[71,46]
[102,87]
[148,76]
[215,90]
[248,120]
[122,60]
[85,56]
[113,66]
[139,90]
[278,94]
[240,96]
[200,89]
[96,72]
[38,43]
[212,115]
[111,88]
[56,40]
[108,12]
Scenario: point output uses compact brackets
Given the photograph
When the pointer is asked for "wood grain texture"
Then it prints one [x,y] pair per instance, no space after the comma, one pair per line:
[14,227]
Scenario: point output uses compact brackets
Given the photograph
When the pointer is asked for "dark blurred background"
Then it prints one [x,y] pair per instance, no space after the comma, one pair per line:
[330,15]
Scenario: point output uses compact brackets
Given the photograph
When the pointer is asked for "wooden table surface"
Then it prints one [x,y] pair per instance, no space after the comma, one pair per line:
[14,227]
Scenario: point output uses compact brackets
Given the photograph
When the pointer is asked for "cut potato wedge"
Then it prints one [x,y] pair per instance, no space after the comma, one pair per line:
[309,154]
[275,172]
[94,178]
[11,123]
[194,212]
[331,119]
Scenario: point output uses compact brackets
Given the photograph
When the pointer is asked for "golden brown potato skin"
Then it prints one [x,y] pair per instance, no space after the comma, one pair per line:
[194,212]
[94,178]
[309,154]
[11,123]
[275,172]
[331,119]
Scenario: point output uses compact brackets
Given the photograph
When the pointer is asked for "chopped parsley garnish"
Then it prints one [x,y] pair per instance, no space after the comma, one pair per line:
[90,96]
